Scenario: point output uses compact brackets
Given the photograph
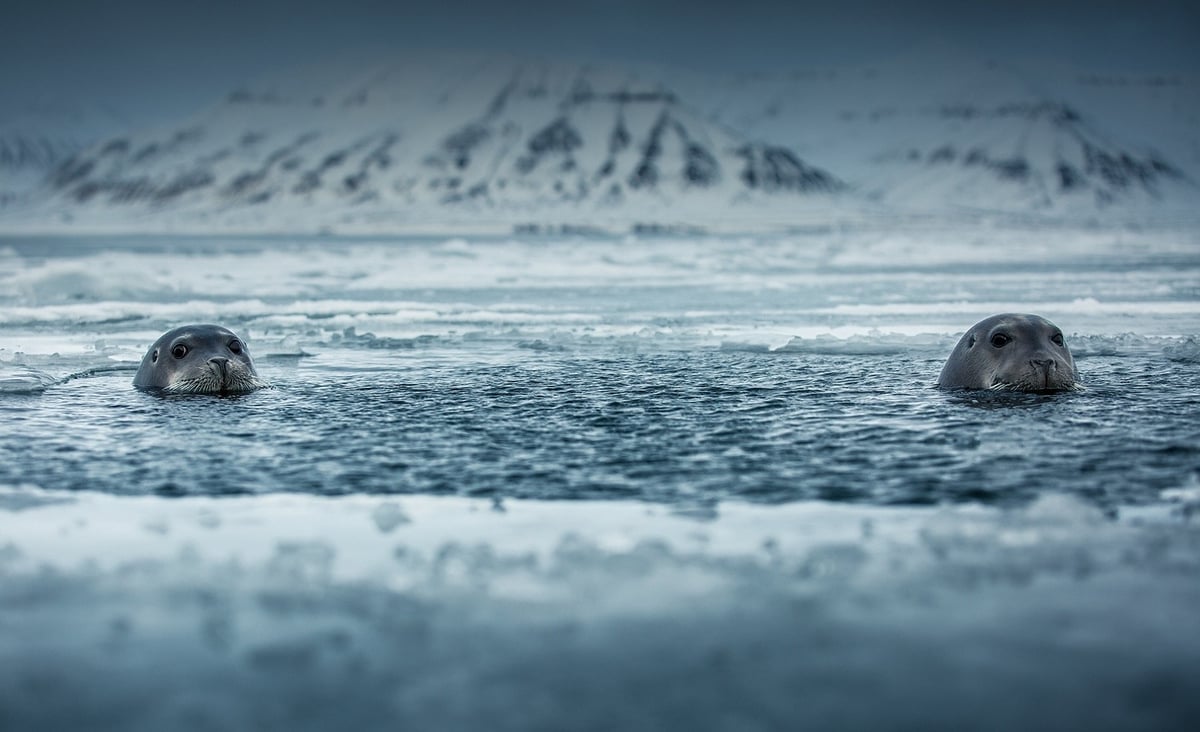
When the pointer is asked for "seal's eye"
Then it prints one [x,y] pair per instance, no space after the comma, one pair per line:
[235,346]
[179,351]
[1056,339]
[1000,340]
[154,357]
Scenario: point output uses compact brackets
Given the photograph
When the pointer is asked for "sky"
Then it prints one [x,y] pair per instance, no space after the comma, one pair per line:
[152,59]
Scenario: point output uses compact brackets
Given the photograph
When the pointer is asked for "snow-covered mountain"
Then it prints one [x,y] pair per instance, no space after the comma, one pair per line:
[955,134]
[19,151]
[34,141]
[1031,155]
[475,141]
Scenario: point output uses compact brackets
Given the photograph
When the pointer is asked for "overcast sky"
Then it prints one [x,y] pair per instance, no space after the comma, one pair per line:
[154,58]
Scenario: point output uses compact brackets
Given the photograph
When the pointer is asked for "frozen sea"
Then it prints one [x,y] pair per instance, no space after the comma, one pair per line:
[585,482]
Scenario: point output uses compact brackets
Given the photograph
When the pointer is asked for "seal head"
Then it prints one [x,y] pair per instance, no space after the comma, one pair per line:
[1011,352]
[198,359]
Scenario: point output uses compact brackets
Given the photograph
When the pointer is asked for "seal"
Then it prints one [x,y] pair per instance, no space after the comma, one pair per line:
[198,359]
[1011,352]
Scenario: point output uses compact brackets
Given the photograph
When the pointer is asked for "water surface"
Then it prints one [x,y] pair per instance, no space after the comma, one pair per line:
[666,370]
[572,483]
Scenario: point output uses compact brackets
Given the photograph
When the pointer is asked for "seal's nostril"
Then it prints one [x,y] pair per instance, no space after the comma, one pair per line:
[222,364]
[1045,364]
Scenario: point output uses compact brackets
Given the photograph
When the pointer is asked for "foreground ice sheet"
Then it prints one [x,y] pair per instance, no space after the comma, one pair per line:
[361,612]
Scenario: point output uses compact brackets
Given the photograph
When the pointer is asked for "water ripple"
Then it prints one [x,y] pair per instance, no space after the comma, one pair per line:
[677,427]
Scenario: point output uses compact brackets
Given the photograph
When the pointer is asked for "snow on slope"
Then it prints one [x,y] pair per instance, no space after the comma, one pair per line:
[1036,155]
[34,141]
[941,131]
[475,139]
[470,141]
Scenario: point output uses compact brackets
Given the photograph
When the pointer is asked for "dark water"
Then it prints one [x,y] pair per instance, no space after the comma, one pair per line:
[794,529]
[680,427]
[768,369]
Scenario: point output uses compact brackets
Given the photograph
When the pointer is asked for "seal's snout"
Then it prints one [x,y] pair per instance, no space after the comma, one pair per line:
[1045,370]
[221,366]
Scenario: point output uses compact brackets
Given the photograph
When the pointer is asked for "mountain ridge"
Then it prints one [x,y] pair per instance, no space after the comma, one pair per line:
[520,142]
